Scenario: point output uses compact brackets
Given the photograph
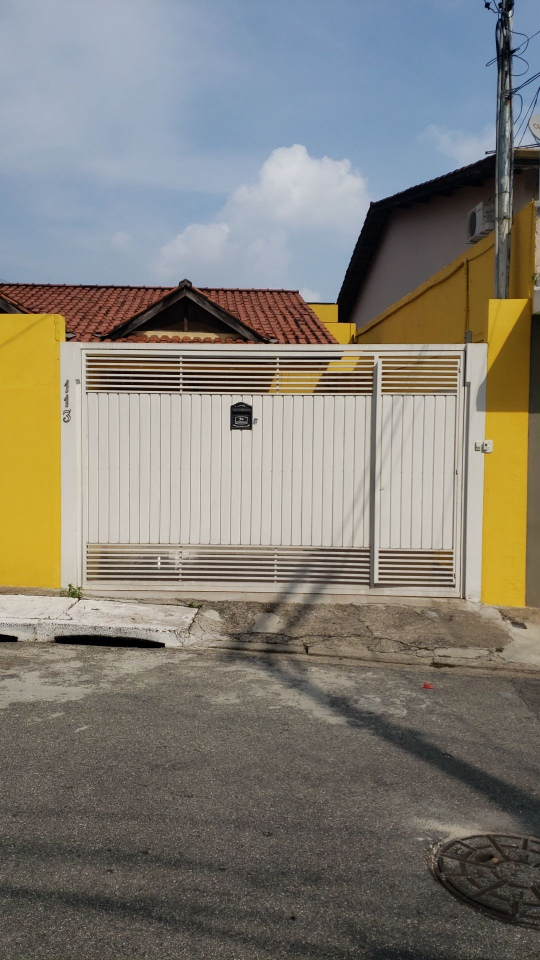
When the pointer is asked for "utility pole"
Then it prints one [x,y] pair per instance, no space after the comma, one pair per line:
[504,156]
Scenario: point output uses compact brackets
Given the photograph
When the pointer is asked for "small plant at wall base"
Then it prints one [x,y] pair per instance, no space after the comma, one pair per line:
[74,592]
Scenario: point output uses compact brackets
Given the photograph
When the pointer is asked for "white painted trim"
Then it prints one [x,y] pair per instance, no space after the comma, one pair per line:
[460,460]
[83,457]
[71,347]
[375,474]
[315,590]
[71,540]
[473,485]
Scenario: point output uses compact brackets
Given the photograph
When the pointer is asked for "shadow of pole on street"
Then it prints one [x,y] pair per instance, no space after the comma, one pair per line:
[508,797]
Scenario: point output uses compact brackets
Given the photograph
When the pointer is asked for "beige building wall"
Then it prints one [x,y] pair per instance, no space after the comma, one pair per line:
[422,239]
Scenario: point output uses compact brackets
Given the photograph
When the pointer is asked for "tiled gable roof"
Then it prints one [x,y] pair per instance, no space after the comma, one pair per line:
[92,312]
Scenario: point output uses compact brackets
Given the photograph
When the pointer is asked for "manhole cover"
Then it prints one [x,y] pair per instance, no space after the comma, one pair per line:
[498,874]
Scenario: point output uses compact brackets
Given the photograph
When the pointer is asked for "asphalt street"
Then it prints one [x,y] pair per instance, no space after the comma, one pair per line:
[163,804]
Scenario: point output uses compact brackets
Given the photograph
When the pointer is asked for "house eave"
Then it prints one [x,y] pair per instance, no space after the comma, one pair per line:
[6,306]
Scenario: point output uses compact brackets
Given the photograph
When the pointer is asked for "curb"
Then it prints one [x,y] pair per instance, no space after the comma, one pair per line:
[62,631]
[491,662]
[51,631]
[63,619]
[37,619]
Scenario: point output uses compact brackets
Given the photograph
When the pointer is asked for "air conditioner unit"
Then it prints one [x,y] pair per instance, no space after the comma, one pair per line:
[481,221]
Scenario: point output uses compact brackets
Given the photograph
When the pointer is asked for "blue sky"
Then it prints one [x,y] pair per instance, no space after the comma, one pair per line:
[233,142]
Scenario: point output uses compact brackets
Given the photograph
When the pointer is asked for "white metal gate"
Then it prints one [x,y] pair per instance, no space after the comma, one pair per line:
[351,477]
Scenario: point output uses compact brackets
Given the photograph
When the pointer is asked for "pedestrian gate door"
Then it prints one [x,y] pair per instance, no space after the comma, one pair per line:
[345,472]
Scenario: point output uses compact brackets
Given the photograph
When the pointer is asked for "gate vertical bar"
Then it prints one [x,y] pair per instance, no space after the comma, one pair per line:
[374,520]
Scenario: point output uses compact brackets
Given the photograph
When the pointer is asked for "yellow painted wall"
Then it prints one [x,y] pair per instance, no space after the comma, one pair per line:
[343,332]
[505,479]
[328,314]
[456,300]
[30,443]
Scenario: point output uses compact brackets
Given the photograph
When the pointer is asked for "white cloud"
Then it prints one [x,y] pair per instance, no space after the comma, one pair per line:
[298,190]
[310,296]
[463,148]
[254,238]
[200,243]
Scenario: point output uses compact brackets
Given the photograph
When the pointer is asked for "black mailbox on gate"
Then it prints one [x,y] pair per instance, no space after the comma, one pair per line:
[241,416]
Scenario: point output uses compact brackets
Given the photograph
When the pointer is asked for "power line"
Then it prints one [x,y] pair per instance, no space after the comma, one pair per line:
[526,83]
[526,41]
[525,118]
[526,62]
[520,108]
[516,54]
[528,116]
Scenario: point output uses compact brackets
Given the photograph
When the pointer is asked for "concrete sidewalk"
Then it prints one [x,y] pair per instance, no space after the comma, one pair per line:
[392,630]
[38,618]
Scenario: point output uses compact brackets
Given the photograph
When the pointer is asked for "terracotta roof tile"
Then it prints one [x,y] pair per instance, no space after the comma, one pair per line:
[92,312]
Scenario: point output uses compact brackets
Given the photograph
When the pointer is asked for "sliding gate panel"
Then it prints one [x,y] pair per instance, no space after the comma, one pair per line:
[349,477]
[168,469]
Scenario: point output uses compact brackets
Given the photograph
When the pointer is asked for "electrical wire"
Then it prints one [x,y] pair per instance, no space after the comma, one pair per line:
[528,114]
[526,41]
[520,108]
[524,123]
[516,56]
[526,62]
[526,83]
[501,12]
[517,50]
[522,126]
